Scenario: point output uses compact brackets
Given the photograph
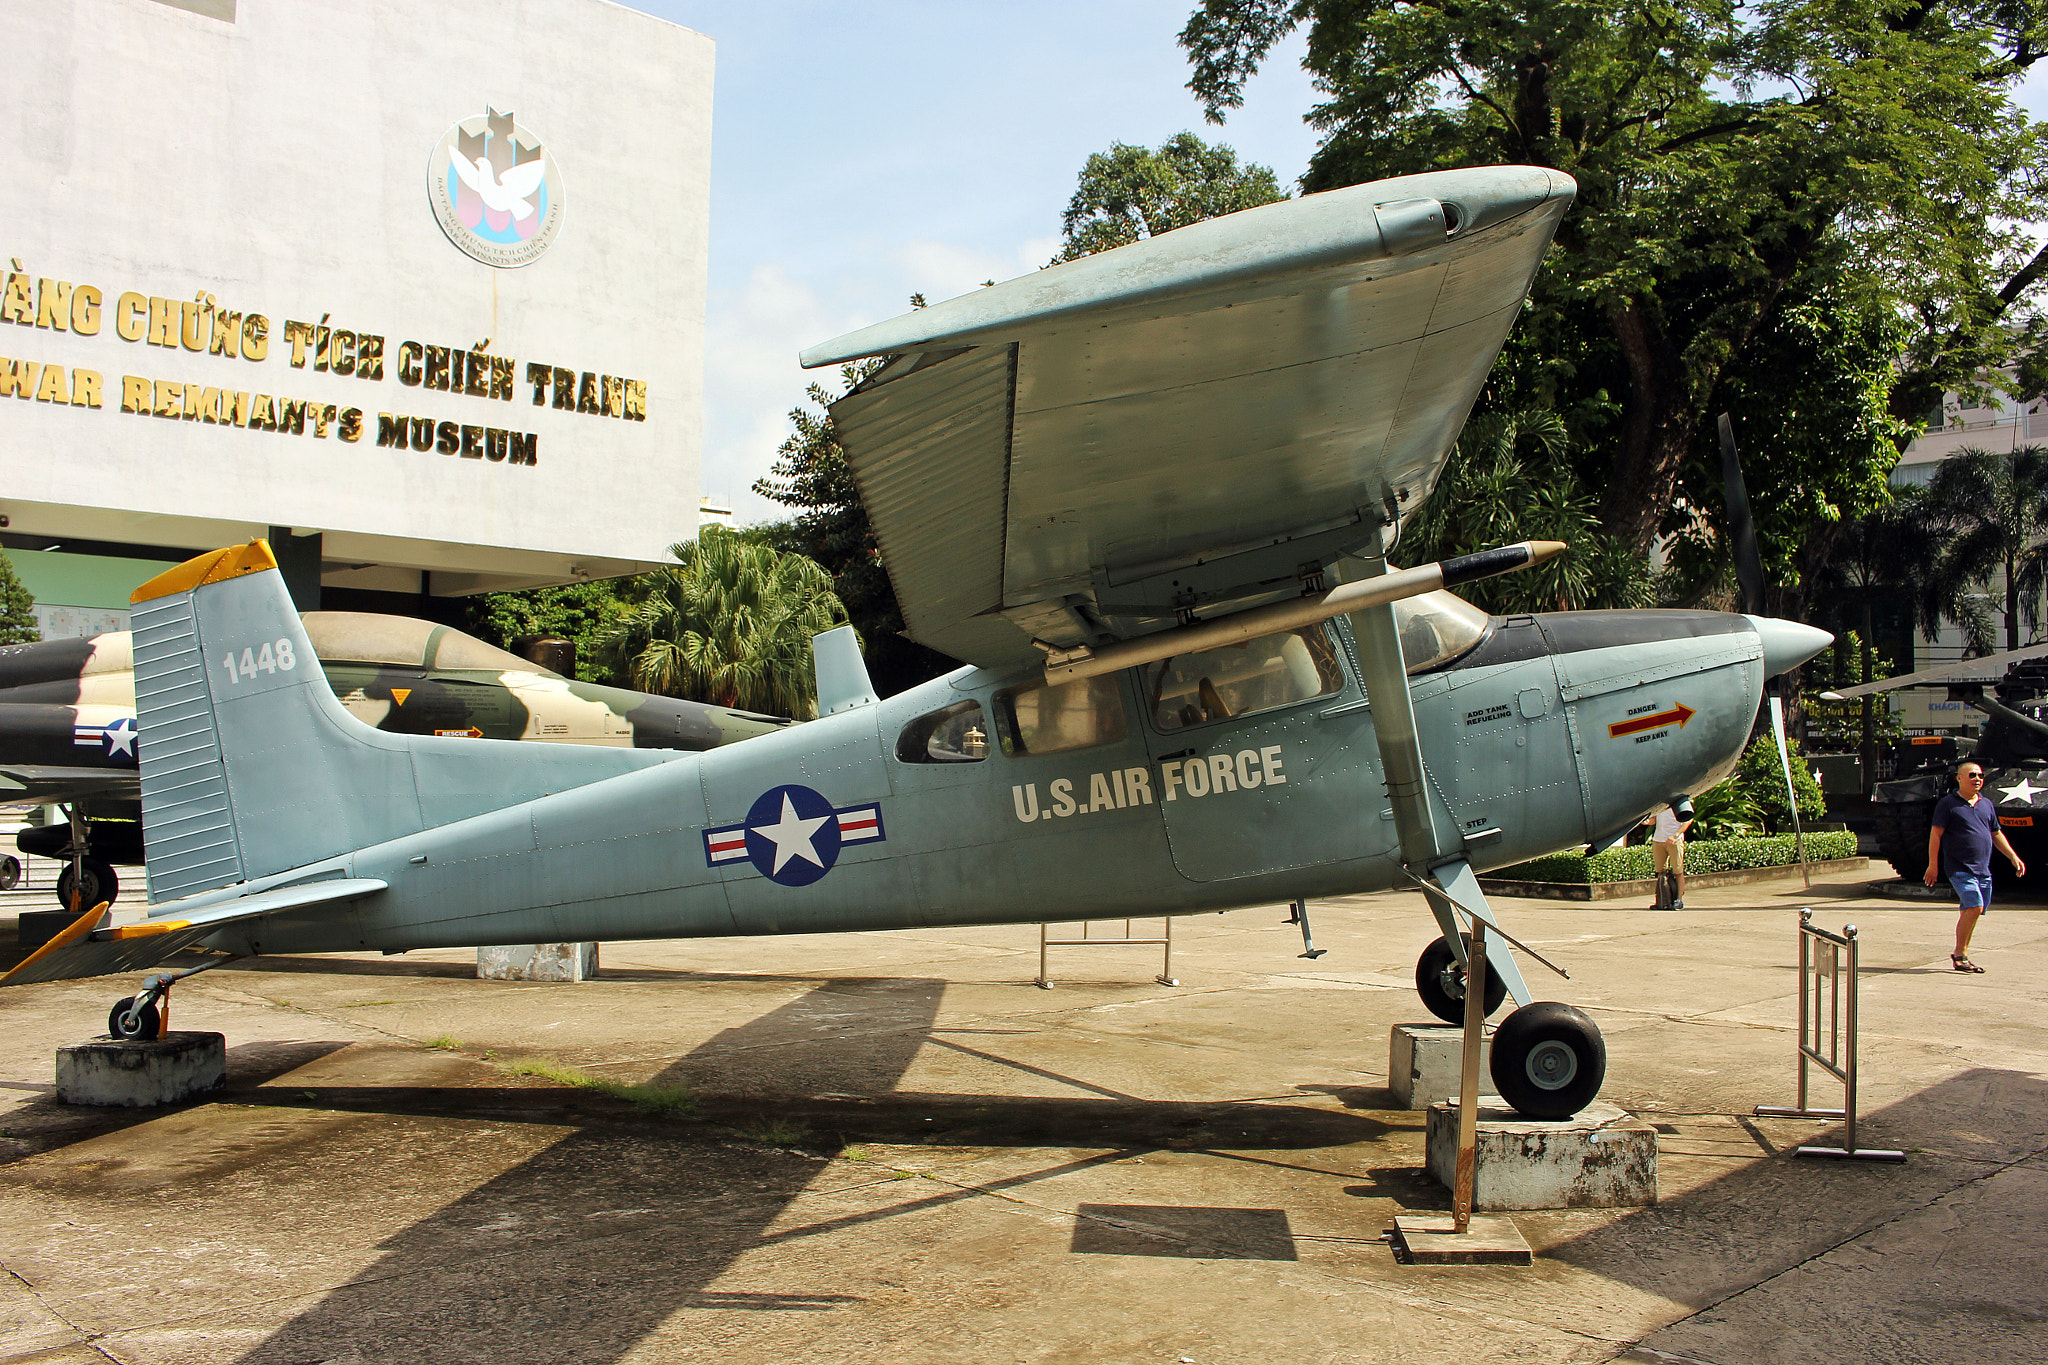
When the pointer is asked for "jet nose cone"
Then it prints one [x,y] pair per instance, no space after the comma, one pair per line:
[1787,644]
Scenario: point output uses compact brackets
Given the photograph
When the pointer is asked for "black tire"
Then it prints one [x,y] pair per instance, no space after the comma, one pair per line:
[1902,835]
[100,884]
[147,1020]
[1548,1060]
[10,872]
[1437,993]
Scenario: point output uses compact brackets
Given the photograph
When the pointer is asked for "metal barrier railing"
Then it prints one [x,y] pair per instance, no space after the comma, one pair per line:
[1087,940]
[1827,1034]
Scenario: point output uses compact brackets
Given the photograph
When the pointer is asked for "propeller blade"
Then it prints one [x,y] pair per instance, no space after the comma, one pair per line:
[1791,792]
[1749,563]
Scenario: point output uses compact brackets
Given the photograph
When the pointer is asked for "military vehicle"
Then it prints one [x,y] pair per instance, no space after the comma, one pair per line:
[1150,498]
[68,737]
[2011,743]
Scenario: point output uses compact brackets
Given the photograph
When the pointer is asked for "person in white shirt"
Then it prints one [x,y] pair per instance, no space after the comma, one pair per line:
[1667,854]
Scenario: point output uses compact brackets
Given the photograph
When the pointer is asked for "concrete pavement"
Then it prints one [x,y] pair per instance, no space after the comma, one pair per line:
[900,1150]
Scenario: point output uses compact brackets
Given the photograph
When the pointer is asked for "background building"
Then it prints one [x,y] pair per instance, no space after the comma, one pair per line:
[417,291]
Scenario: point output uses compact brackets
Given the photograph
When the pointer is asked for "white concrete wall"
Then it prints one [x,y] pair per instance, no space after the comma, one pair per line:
[278,162]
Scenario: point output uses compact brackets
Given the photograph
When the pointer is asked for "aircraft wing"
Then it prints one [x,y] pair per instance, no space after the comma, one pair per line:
[1180,425]
[1987,669]
[134,947]
[50,786]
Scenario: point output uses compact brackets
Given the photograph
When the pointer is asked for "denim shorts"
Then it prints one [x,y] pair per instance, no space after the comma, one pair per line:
[1972,888]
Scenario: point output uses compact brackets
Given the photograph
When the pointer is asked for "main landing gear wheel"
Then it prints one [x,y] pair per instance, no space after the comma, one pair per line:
[98,883]
[1548,1060]
[125,1021]
[1440,981]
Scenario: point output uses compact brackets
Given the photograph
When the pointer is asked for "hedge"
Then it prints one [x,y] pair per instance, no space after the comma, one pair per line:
[1701,856]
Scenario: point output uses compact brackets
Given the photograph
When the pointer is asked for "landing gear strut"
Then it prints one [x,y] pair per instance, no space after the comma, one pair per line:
[86,880]
[147,1013]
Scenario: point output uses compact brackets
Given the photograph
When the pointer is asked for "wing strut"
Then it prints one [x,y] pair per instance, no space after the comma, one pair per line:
[1432,850]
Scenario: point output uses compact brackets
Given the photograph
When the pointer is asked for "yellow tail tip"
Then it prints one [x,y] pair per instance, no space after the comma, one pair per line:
[215,566]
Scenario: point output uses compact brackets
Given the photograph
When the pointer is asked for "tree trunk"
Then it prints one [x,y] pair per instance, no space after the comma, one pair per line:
[1657,429]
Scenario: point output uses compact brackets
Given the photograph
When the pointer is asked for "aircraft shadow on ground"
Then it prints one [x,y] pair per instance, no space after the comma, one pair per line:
[633,1220]
[1767,1216]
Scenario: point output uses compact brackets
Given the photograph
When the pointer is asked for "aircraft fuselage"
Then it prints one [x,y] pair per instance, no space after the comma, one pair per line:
[1552,732]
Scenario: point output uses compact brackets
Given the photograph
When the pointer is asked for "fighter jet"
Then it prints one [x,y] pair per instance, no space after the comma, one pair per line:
[1153,499]
[68,736]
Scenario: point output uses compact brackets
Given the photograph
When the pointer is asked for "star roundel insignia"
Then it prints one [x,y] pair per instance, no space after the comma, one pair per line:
[119,740]
[2024,790]
[792,835]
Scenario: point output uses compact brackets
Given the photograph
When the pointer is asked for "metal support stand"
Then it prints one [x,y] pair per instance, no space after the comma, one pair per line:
[1824,960]
[1164,942]
[1468,1079]
[1299,916]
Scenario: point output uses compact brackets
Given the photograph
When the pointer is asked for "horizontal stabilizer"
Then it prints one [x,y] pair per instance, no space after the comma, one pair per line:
[177,926]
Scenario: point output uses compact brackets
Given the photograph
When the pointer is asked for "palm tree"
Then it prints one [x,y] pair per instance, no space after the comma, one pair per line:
[730,622]
[1888,555]
[1991,510]
[1508,479]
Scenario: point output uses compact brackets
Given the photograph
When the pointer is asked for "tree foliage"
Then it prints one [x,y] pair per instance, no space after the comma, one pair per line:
[17,608]
[1509,479]
[1989,511]
[831,526]
[1727,159]
[583,613]
[1127,193]
[730,622]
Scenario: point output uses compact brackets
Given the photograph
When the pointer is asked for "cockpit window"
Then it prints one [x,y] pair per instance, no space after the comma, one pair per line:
[1038,719]
[1436,628]
[958,734]
[1241,679]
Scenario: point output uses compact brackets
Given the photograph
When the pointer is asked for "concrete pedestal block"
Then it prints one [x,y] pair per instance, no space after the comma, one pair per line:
[1425,1060]
[537,962]
[141,1073]
[1603,1159]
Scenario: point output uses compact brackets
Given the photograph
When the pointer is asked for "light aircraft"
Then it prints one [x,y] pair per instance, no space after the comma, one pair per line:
[67,721]
[1149,497]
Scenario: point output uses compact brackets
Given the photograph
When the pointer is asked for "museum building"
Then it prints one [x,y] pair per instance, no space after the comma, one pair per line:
[416,291]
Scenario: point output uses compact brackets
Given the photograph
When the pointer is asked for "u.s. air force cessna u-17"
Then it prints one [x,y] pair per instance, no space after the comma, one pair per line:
[1148,497]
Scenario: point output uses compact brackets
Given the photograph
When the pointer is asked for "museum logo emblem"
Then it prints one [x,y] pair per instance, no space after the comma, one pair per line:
[495,190]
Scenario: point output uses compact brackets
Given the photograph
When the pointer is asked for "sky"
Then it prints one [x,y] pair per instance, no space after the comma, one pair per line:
[864,153]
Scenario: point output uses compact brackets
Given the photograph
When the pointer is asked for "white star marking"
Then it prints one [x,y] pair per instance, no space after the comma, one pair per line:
[120,740]
[791,836]
[2025,791]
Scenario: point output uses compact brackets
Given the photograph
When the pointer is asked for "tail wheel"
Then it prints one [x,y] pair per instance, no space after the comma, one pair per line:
[10,872]
[1440,981]
[97,885]
[1548,1060]
[125,1021]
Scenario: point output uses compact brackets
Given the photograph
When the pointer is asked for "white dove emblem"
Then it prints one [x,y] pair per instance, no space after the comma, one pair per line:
[507,195]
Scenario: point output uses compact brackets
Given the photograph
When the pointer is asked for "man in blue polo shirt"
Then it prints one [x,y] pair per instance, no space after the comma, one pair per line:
[1965,831]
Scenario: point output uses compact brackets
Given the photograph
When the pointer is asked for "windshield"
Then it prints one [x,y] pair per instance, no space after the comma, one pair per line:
[1436,627]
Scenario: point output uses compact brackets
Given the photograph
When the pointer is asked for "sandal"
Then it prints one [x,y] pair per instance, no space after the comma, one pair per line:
[1963,964]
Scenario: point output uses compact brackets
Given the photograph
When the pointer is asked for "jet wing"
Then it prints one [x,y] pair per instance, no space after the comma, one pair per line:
[52,786]
[1182,425]
[177,925]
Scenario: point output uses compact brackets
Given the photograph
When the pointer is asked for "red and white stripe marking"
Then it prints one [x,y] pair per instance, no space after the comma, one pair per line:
[726,845]
[864,822]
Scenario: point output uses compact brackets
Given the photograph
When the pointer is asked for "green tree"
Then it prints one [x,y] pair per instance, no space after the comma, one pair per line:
[1127,193]
[1990,509]
[730,622]
[831,526]
[1722,154]
[584,613]
[1508,479]
[1881,561]
[17,608]
[1760,780]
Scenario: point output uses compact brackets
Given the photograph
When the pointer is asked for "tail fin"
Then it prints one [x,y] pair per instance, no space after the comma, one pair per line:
[251,766]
